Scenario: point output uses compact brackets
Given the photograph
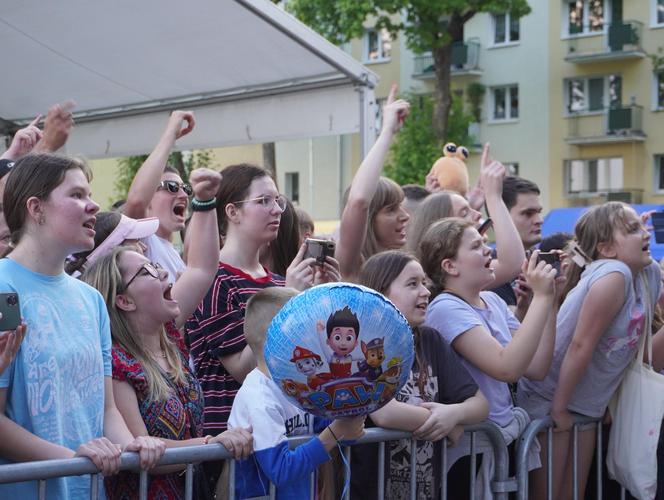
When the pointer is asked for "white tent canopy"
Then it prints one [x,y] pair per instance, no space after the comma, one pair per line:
[251,72]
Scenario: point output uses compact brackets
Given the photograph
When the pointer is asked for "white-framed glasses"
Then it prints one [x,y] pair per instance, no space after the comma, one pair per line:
[267,201]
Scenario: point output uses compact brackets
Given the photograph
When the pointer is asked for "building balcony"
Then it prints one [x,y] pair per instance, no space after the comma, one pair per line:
[612,126]
[465,61]
[589,198]
[616,42]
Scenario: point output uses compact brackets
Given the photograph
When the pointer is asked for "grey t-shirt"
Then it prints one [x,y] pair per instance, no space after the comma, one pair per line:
[616,347]
[453,317]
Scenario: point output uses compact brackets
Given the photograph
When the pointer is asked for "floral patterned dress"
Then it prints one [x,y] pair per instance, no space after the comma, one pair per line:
[178,417]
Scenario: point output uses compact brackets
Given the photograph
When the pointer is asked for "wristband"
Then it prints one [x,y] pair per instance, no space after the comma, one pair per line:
[203,206]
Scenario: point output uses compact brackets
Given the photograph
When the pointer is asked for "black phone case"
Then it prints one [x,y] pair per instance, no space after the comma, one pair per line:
[10,312]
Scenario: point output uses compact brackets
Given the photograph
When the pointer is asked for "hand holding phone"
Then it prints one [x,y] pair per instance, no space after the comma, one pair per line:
[485,226]
[319,250]
[10,311]
[552,258]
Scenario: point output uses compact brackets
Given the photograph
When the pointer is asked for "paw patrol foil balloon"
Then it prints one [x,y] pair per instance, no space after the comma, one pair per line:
[339,350]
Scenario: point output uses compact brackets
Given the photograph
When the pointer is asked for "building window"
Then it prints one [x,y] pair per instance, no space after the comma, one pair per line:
[377,45]
[505,103]
[293,186]
[585,95]
[659,173]
[505,29]
[585,16]
[659,90]
[657,14]
[594,176]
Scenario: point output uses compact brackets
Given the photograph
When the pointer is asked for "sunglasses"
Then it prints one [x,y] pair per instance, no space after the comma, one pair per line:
[174,187]
[147,269]
[267,202]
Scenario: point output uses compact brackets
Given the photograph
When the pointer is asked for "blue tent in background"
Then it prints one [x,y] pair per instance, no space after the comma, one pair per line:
[564,219]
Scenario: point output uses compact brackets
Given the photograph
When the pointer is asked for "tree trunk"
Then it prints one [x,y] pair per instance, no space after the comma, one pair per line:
[442,57]
[269,160]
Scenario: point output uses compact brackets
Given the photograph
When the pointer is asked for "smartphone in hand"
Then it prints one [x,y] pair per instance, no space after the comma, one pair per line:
[10,311]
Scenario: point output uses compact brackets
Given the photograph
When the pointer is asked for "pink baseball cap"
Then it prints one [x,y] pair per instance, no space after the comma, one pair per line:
[127,229]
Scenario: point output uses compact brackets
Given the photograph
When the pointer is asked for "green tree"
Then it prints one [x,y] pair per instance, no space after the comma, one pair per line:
[428,25]
[416,147]
[127,167]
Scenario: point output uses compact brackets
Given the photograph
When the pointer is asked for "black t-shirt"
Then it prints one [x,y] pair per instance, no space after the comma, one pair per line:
[447,381]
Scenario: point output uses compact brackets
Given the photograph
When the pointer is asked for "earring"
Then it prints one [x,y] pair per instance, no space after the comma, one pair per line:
[41,221]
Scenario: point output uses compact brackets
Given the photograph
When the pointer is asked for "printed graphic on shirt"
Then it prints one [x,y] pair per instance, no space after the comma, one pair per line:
[398,484]
[626,344]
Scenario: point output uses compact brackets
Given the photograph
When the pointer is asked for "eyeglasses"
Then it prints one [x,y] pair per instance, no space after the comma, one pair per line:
[174,187]
[267,202]
[148,268]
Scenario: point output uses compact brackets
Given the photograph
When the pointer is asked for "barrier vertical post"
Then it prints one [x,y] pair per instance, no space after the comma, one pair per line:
[413,469]
[381,470]
[443,470]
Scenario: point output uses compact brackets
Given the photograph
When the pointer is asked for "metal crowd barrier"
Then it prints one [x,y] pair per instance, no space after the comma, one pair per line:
[42,470]
[546,423]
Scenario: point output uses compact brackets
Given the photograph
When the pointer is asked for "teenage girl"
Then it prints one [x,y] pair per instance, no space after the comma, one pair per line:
[56,398]
[599,326]
[374,218]
[437,383]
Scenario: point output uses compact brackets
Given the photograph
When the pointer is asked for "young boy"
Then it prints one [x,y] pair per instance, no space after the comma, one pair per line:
[262,405]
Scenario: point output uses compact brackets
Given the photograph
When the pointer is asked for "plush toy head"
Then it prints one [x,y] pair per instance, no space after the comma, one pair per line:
[450,169]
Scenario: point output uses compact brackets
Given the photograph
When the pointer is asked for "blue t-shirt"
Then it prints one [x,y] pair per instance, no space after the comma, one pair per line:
[452,317]
[55,386]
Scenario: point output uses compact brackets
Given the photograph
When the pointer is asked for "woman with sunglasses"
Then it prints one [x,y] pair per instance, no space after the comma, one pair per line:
[158,191]
[56,397]
[154,388]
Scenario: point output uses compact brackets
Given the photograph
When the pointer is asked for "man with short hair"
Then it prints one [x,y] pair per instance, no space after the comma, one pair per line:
[521,197]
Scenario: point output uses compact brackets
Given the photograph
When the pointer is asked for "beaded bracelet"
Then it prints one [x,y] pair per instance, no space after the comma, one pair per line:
[203,206]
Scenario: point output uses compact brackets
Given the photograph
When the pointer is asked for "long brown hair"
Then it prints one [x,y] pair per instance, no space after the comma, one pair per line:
[434,207]
[378,273]
[441,241]
[595,226]
[106,276]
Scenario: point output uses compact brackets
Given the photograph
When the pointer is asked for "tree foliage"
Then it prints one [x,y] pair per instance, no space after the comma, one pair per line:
[428,25]
[416,147]
[127,167]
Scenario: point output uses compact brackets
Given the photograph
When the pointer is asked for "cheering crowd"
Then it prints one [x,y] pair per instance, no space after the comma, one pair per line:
[126,344]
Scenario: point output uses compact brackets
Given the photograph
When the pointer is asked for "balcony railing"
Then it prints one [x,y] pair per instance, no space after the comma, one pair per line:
[465,61]
[588,198]
[617,41]
[615,125]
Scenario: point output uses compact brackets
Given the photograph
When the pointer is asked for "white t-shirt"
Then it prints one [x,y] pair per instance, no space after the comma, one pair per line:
[162,252]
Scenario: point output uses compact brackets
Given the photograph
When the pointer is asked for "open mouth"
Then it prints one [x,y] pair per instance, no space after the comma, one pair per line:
[90,224]
[179,210]
[488,264]
[422,306]
[167,293]
[646,248]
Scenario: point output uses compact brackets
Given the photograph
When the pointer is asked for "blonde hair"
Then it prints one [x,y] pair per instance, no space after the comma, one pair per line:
[261,309]
[595,226]
[441,241]
[105,275]
[387,193]
[433,208]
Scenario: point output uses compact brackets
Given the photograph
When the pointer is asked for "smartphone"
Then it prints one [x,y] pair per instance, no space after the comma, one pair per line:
[10,312]
[319,249]
[485,226]
[552,258]
[658,224]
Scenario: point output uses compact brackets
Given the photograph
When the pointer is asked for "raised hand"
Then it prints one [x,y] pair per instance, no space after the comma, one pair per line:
[205,182]
[57,127]
[300,273]
[395,112]
[539,276]
[24,141]
[181,123]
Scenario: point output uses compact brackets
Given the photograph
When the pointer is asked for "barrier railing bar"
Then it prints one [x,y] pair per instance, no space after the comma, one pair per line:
[346,452]
[381,470]
[598,456]
[443,470]
[549,463]
[413,471]
[473,465]
[94,486]
[189,482]
[575,461]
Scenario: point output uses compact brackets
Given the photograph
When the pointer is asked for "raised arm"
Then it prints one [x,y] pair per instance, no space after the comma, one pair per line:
[354,220]
[203,257]
[509,363]
[58,124]
[147,178]
[601,304]
[510,253]
[24,141]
